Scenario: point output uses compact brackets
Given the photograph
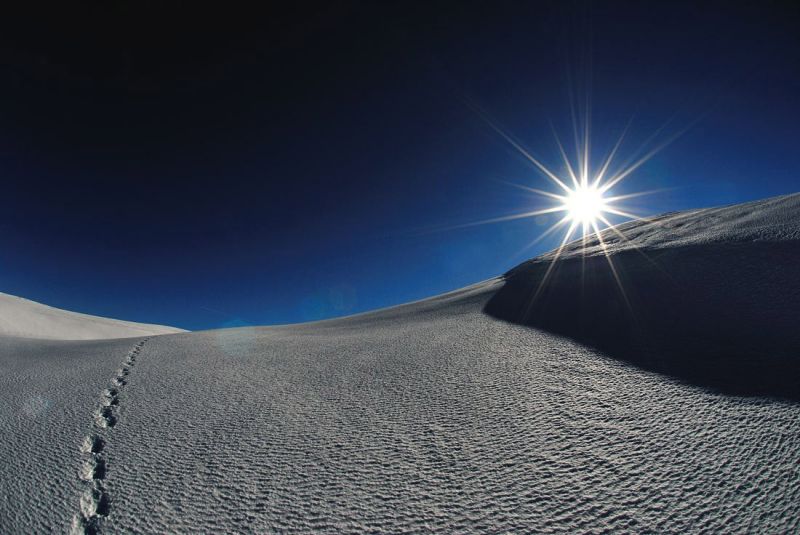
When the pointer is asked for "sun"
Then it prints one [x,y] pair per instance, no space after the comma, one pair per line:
[584,204]
[582,198]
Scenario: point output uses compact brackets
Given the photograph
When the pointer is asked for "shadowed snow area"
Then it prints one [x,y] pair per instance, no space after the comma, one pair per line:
[430,416]
[28,319]
[709,296]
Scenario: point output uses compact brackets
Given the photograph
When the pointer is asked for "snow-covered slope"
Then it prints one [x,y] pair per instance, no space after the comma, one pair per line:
[711,296]
[28,319]
[436,415]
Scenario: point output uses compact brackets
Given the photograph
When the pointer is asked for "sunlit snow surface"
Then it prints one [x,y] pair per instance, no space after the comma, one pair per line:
[430,416]
[29,319]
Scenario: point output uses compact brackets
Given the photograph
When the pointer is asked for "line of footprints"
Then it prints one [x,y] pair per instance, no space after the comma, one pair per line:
[95,502]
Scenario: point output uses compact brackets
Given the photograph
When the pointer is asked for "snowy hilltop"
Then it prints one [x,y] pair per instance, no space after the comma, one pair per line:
[28,319]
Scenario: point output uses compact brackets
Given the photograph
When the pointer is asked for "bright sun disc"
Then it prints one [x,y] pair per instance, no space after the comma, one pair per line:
[585,204]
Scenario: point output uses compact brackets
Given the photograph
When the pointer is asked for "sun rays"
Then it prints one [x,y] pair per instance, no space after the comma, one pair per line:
[581,193]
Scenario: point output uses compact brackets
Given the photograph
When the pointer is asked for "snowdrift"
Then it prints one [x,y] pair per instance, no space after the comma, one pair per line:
[29,319]
[710,296]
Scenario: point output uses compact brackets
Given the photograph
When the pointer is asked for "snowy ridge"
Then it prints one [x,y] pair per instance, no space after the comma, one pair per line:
[773,220]
[29,319]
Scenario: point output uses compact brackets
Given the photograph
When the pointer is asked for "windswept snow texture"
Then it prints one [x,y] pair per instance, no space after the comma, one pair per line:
[49,392]
[28,319]
[433,416]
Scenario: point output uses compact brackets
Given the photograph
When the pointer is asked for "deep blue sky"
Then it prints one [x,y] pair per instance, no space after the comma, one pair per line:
[205,169]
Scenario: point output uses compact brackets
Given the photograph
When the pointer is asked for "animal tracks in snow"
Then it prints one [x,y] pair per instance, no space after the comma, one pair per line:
[95,503]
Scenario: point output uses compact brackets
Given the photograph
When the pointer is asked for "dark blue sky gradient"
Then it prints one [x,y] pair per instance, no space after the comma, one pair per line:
[206,169]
